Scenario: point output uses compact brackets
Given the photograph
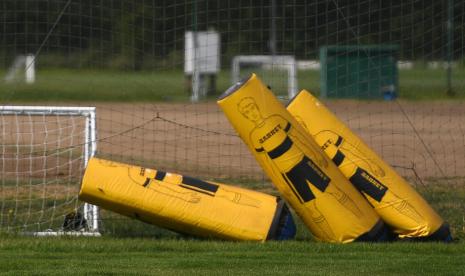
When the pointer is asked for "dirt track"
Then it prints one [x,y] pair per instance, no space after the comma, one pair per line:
[198,140]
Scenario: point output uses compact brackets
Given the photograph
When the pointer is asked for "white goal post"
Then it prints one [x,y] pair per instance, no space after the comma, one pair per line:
[26,63]
[45,151]
[287,63]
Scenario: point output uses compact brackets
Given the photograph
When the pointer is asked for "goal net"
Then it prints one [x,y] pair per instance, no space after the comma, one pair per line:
[44,151]
[393,71]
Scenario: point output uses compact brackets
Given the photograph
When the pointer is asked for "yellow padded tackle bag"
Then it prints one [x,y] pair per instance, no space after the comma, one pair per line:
[397,203]
[328,204]
[185,204]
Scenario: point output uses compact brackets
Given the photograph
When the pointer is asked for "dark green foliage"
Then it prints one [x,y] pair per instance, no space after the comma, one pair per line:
[123,34]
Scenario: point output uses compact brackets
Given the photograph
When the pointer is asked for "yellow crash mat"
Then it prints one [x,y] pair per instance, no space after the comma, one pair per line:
[180,203]
[328,204]
[397,203]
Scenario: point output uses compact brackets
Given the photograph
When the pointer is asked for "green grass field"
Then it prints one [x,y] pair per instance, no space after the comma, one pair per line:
[132,247]
[85,85]
[78,256]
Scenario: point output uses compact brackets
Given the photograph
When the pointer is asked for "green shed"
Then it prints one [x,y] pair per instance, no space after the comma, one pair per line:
[359,71]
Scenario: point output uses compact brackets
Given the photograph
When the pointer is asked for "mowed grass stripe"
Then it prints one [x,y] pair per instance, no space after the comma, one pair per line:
[150,256]
[66,85]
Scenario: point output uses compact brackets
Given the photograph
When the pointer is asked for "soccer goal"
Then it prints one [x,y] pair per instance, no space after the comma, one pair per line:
[44,152]
[280,72]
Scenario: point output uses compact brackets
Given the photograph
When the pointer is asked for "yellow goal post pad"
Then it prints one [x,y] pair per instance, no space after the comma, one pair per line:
[331,208]
[396,201]
[185,204]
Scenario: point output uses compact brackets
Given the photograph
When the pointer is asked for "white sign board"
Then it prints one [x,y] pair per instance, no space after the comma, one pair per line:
[204,55]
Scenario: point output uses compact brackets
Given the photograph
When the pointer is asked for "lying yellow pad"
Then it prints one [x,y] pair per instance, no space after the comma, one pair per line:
[183,204]
[327,203]
[398,204]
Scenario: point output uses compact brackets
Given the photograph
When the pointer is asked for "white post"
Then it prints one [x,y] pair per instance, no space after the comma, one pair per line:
[195,74]
[90,147]
[86,141]
[235,69]
[292,78]
[93,150]
[88,214]
[30,69]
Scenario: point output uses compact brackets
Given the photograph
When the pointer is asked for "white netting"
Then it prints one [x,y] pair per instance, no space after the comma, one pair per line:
[44,151]
[127,59]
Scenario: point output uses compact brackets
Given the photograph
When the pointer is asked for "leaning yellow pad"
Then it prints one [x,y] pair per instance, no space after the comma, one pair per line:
[181,203]
[398,204]
[328,204]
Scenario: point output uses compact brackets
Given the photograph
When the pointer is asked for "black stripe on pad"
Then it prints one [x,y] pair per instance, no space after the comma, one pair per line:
[199,184]
[339,141]
[288,126]
[281,149]
[160,175]
[196,190]
[146,183]
[338,158]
